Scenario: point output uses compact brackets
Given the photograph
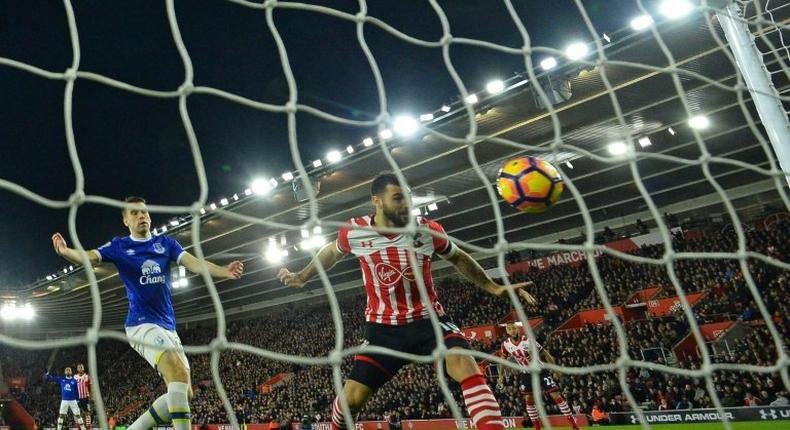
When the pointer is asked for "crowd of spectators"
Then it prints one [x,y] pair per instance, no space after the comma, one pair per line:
[129,384]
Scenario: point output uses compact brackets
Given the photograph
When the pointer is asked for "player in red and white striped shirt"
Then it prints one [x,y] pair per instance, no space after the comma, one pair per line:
[84,393]
[517,346]
[396,315]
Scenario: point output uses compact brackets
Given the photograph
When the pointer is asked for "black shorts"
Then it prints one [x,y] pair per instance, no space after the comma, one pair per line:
[547,382]
[84,404]
[374,370]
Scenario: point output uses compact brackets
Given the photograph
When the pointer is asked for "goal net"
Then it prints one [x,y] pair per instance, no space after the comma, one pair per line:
[664,263]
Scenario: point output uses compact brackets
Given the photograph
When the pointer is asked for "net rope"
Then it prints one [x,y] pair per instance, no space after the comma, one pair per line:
[763,19]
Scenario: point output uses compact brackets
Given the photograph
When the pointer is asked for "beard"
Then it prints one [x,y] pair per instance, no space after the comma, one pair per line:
[395,217]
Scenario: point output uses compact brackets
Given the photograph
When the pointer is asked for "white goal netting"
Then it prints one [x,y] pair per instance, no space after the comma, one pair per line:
[694,67]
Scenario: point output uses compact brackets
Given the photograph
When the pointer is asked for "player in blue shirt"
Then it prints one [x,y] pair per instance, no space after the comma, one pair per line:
[68,397]
[143,263]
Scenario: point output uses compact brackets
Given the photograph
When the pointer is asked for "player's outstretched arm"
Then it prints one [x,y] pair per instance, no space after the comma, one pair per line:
[329,255]
[467,266]
[72,255]
[233,270]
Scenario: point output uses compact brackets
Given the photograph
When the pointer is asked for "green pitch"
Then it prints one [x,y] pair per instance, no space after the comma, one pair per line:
[751,425]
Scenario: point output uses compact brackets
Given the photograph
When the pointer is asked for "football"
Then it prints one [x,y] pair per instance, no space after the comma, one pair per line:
[529,184]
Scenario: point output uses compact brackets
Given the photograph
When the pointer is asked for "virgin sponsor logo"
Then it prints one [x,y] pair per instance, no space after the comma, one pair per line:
[390,275]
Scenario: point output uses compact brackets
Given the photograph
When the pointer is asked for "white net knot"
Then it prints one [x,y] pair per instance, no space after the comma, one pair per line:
[705,158]
[439,352]
[270,4]
[92,336]
[77,198]
[70,74]
[220,343]
[291,107]
[186,88]
[195,208]
[360,17]
[335,357]
[383,118]
[446,39]
[501,247]
[470,138]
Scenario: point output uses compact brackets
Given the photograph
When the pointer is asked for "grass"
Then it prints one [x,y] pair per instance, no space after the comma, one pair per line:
[749,425]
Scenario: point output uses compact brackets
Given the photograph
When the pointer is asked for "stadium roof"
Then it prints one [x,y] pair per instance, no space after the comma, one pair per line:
[442,169]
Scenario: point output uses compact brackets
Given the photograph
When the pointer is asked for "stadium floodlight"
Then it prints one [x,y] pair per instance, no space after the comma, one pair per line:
[617,148]
[8,312]
[606,38]
[641,22]
[247,192]
[313,242]
[223,201]
[174,223]
[405,125]
[548,63]
[644,142]
[317,229]
[182,271]
[202,211]
[426,117]
[213,206]
[472,99]
[287,176]
[674,9]
[163,229]
[317,163]
[568,163]
[368,141]
[495,86]
[260,186]
[445,108]
[71,268]
[49,277]
[386,134]
[334,156]
[699,122]
[273,254]
[65,270]
[577,50]
[433,206]
[350,149]
[273,182]
[671,131]
[235,197]
[416,211]
[26,312]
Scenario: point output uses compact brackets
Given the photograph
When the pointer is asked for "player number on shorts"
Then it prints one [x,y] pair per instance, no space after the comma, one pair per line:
[448,326]
[548,380]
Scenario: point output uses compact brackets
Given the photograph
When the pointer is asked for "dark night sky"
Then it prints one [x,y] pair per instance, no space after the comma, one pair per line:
[130,144]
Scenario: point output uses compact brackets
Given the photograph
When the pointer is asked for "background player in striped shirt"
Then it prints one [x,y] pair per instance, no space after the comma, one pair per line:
[396,315]
[517,346]
[143,262]
[84,393]
[68,397]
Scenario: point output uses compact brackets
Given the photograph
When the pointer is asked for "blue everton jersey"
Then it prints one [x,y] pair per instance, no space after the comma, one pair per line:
[68,386]
[144,267]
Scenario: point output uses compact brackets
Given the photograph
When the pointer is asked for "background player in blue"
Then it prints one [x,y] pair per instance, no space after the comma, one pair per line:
[143,263]
[68,397]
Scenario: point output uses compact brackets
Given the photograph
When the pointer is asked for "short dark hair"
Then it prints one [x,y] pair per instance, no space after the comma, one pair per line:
[381,181]
[132,199]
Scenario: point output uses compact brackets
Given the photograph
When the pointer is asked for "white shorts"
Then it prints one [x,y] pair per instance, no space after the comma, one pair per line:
[153,334]
[65,405]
